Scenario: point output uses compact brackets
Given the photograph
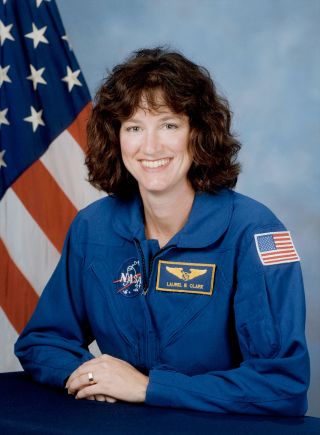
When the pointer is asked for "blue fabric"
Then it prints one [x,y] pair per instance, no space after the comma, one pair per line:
[31,408]
[236,344]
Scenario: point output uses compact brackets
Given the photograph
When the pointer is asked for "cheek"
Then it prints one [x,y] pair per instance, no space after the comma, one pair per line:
[182,144]
[128,147]
[126,150]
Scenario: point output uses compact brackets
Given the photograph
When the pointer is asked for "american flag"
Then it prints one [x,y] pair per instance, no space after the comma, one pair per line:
[44,106]
[276,247]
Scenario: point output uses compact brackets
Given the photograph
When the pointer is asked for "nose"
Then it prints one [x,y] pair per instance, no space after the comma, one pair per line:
[151,144]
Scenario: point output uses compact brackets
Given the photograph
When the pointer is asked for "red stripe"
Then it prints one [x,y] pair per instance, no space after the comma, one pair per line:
[78,129]
[46,202]
[282,260]
[17,297]
[278,260]
[279,251]
[281,257]
[284,234]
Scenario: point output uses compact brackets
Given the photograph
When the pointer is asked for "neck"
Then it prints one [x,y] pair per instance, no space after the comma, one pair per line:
[166,214]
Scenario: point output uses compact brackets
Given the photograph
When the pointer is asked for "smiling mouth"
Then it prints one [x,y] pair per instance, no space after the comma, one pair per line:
[154,163]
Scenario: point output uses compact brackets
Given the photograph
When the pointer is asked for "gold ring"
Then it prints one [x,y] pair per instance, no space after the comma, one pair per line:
[91,378]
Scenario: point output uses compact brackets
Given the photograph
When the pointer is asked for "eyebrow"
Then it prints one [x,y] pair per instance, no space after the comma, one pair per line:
[162,118]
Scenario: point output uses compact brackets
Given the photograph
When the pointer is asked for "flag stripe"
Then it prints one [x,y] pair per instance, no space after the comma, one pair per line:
[8,337]
[280,234]
[78,129]
[280,256]
[282,260]
[48,204]
[29,247]
[73,181]
[18,300]
[279,251]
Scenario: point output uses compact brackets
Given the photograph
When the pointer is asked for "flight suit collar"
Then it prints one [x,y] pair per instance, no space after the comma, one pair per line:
[208,220]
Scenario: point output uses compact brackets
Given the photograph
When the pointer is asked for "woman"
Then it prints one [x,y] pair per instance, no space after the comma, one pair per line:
[192,291]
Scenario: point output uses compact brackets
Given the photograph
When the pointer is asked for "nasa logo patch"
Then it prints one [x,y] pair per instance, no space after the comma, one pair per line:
[129,282]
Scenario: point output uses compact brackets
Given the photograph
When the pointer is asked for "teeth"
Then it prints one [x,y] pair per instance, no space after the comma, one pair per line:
[154,163]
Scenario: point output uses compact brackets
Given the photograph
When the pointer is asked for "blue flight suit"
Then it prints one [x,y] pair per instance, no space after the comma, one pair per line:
[213,327]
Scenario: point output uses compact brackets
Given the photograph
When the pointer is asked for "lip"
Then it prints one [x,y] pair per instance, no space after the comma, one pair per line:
[156,164]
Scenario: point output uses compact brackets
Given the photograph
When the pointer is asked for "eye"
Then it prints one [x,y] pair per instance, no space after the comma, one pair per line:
[133,128]
[170,126]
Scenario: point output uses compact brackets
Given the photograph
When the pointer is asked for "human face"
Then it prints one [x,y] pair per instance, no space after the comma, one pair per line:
[154,148]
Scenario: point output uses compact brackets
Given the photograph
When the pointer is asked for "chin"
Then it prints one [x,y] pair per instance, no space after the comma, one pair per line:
[154,189]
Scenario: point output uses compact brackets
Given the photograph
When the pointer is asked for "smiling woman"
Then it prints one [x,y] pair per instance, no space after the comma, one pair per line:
[192,291]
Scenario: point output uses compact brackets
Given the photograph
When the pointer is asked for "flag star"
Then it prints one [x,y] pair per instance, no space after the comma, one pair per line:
[66,38]
[4,75]
[2,162]
[36,76]
[5,32]
[37,35]
[35,118]
[3,119]
[40,1]
[71,78]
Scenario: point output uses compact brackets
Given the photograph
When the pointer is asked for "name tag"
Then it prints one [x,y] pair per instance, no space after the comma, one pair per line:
[185,277]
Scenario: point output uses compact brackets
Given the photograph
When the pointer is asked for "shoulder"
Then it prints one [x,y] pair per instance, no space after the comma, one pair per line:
[251,218]
[94,223]
[101,207]
[248,211]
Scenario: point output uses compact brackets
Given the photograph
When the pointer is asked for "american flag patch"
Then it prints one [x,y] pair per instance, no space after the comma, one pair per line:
[276,248]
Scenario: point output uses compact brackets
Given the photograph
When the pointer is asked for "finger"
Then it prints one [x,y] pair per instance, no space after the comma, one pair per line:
[88,366]
[110,399]
[78,383]
[85,392]
[73,376]
[91,398]
[100,397]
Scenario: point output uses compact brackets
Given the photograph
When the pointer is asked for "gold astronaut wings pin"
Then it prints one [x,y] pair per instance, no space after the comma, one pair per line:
[179,272]
[181,277]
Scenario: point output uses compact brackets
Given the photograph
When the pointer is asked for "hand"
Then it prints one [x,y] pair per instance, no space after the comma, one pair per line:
[114,379]
[101,398]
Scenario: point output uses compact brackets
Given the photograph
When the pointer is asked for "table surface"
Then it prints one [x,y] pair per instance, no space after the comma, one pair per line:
[28,407]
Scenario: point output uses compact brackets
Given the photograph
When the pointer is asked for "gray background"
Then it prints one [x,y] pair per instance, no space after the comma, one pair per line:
[265,58]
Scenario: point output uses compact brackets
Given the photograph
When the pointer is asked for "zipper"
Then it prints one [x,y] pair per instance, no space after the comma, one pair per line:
[144,269]
[146,279]
[153,258]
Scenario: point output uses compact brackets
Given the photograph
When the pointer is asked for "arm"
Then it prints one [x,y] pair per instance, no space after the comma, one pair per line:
[273,378]
[55,341]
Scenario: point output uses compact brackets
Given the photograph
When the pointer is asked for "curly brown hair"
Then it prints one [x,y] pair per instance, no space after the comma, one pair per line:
[186,88]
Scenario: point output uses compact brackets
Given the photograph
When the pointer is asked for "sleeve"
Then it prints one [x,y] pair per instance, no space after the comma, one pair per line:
[55,341]
[273,378]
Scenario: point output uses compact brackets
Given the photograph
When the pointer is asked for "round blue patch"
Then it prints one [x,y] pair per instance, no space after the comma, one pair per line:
[128,282]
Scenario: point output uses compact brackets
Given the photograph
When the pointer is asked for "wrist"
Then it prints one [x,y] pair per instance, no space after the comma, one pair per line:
[144,386]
